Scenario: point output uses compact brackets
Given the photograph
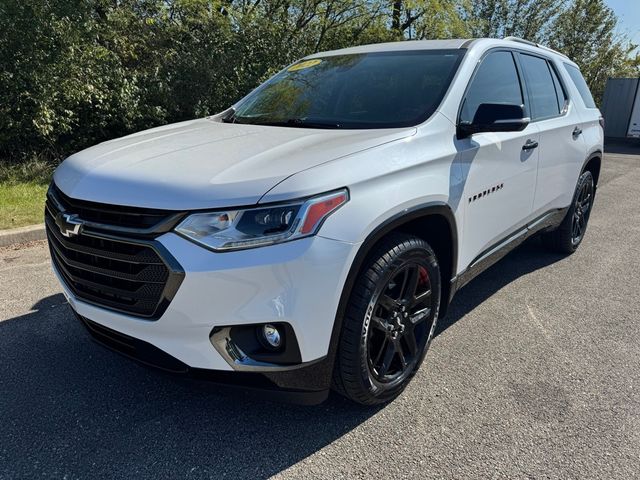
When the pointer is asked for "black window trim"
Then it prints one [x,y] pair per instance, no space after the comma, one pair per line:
[551,66]
[512,51]
[565,91]
[515,52]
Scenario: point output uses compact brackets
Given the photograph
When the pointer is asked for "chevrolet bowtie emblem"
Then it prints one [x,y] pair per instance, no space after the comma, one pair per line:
[69,225]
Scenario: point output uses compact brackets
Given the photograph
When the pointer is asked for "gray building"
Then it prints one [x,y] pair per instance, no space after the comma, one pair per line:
[621,108]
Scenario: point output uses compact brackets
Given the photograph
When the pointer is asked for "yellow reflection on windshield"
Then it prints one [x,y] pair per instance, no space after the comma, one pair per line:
[303,65]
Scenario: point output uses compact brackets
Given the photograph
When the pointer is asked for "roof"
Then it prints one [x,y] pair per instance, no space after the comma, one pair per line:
[456,43]
[396,46]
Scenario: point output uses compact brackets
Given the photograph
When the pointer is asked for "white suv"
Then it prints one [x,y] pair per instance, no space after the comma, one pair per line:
[312,235]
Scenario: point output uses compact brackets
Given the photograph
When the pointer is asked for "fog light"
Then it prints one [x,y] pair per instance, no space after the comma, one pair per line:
[271,336]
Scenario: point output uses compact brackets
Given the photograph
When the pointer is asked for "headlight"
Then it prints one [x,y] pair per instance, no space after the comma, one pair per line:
[266,225]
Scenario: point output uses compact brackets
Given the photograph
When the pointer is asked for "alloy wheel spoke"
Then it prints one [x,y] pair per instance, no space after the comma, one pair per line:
[410,340]
[421,299]
[388,358]
[400,351]
[410,283]
[420,315]
[380,351]
[387,302]
[379,323]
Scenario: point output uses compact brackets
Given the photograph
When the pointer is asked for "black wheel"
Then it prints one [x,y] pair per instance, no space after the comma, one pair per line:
[389,321]
[568,236]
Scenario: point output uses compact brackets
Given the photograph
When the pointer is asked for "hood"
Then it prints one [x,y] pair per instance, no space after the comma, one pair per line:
[204,163]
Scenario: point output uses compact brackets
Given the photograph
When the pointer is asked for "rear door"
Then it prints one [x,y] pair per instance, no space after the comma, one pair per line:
[497,173]
[562,147]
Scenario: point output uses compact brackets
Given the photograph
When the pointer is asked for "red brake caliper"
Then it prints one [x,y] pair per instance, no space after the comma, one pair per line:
[424,276]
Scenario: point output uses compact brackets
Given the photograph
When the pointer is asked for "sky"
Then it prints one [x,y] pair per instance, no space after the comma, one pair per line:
[628,12]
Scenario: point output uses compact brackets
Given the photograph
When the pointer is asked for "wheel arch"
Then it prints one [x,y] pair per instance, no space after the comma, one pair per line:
[418,221]
[435,223]
[593,164]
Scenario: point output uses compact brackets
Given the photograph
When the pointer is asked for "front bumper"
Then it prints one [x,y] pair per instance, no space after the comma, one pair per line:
[309,386]
[298,283]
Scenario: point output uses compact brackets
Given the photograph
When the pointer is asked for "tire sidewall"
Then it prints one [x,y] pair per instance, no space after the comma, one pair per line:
[423,252]
[585,177]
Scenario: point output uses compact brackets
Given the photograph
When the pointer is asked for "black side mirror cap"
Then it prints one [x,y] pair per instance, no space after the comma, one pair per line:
[494,117]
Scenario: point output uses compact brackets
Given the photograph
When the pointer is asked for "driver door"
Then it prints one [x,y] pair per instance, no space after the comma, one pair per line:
[498,169]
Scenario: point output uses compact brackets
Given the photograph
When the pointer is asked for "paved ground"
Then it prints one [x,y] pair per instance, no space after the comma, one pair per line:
[535,374]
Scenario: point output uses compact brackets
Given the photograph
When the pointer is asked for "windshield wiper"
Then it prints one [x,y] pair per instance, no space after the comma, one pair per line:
[230,117]
[300,122]
[303,123]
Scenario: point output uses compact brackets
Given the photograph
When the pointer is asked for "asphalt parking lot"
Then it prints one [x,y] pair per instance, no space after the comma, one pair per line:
[534,374]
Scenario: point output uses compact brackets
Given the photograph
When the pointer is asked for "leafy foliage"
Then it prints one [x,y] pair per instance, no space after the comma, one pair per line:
[585,32]
[76,72]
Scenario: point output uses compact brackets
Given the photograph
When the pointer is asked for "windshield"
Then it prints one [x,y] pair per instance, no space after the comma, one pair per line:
[373,90]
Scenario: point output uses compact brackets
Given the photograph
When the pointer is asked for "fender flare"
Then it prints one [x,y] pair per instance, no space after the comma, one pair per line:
[390,224]
[595,154]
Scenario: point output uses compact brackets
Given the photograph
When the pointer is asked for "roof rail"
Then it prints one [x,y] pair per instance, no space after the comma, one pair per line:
[521,40]
[533,44]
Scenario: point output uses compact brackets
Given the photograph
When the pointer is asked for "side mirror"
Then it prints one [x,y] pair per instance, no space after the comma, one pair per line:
[494,117]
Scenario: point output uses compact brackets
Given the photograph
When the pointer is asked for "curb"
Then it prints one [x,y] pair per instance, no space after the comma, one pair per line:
[22,235]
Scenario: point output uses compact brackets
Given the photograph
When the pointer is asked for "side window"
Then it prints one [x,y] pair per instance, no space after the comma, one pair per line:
[578,79]
[542,91]
[562,97]
[495,81]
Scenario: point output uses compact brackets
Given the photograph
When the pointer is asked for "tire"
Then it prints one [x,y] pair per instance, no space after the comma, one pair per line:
[569,235]
[389,320]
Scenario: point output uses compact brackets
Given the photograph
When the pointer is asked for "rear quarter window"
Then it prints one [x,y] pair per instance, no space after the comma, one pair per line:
[581,85]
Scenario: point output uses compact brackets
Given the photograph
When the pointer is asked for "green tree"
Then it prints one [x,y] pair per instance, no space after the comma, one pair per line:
[433,19]
[529,19]
[586,32]
[76,72]
[61,85]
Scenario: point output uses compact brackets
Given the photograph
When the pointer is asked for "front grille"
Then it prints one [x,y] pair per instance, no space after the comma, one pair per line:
[136,276]
[118,218]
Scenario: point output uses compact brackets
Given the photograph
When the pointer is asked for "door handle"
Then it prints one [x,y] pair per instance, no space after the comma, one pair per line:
[530,145]
[576,132]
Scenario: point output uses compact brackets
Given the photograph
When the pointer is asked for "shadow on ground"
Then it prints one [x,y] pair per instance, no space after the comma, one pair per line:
[622,147]
[72,409]
[529,257]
